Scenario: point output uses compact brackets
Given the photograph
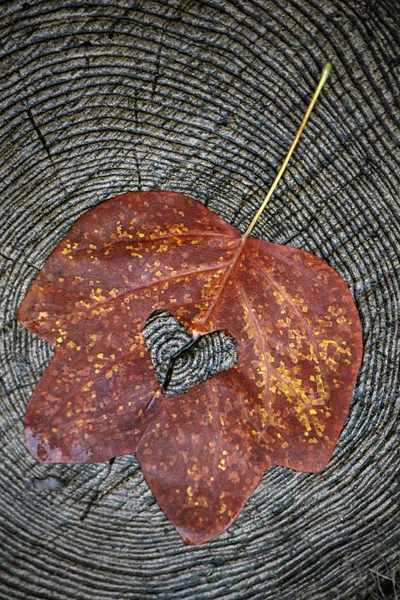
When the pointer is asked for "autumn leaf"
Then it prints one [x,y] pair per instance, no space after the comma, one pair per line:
[203,452]
[284,402]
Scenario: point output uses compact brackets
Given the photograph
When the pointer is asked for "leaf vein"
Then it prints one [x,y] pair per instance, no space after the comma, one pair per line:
[262,344]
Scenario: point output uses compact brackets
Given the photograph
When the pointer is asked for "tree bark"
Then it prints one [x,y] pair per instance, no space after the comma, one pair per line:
[204,98]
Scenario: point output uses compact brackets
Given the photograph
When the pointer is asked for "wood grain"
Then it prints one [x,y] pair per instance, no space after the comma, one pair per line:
[203,98]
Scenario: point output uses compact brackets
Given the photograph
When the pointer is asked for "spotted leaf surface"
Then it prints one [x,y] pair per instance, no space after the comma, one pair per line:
[284,401]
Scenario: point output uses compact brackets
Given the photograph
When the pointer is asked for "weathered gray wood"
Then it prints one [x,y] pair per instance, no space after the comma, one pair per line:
[98,98]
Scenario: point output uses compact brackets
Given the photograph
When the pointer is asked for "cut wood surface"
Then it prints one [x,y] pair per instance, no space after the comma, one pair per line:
[203,98]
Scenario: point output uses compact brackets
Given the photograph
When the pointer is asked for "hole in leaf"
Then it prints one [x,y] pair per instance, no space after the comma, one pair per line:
[181,361]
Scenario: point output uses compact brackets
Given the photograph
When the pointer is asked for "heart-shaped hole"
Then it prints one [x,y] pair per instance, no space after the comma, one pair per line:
[179,360]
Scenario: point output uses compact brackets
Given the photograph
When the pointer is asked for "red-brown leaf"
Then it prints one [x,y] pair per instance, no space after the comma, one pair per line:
[202,453]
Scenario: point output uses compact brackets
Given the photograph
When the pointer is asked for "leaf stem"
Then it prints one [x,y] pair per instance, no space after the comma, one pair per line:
[324,76]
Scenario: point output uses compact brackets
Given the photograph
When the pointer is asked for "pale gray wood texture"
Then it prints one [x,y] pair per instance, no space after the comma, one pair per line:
[103,97]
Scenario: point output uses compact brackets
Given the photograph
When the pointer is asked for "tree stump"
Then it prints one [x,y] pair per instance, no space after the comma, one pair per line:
[204,97]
